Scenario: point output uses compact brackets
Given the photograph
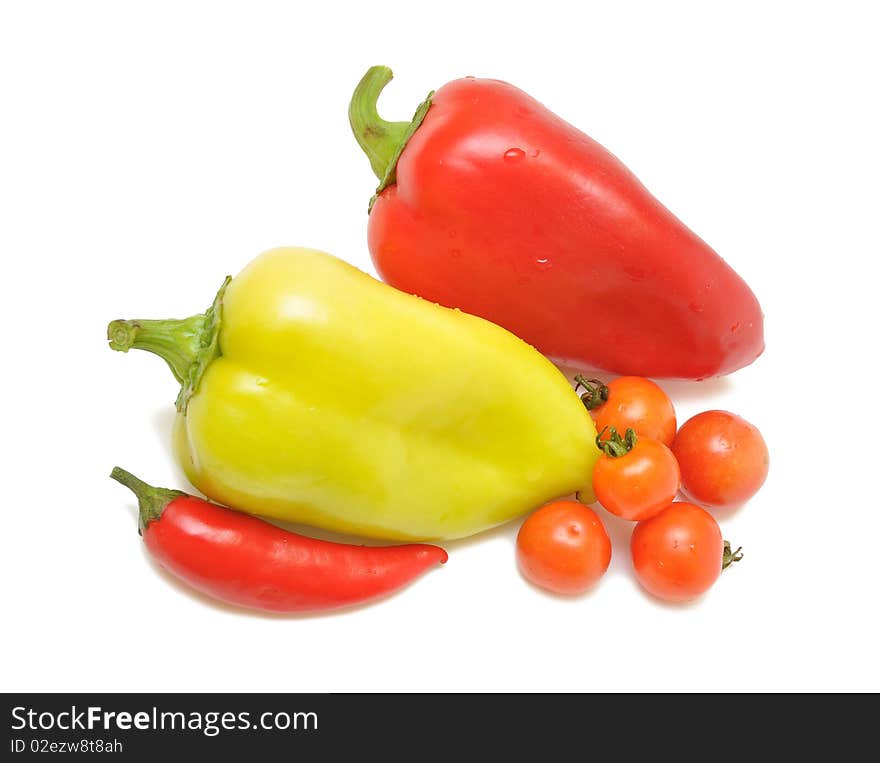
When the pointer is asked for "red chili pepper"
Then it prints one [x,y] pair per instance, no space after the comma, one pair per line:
[245,561]
[491,203]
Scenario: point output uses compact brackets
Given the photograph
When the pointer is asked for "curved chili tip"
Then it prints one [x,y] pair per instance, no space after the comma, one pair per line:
[436,554]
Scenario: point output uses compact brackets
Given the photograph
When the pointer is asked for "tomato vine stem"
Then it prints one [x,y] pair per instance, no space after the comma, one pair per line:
[616,446]
[595,391]
[729,556]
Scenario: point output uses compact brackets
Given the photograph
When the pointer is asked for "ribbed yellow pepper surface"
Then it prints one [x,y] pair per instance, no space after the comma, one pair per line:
[312,392]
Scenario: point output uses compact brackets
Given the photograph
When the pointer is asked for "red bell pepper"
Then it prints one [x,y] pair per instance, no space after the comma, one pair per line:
[491,203]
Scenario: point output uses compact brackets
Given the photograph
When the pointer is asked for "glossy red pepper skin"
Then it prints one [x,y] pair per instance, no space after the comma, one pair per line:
[247,562]
[506,211]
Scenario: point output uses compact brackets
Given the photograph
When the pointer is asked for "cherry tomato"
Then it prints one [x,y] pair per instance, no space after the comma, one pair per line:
[637,480]
[723,459]
[563,547]
[678,554]
[630,402]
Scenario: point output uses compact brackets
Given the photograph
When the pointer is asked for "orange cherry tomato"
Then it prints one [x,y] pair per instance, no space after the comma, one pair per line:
[679,553]
[630,402]
[723,459]
[563,547]
[635,477]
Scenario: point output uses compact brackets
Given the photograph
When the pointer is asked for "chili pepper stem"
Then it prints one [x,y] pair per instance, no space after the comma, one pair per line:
[151,500]
[380,140]
[729,556]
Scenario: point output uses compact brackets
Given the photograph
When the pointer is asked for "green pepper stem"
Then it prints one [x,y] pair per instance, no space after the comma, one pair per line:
[377,138]
[176,341]
[383,142]
[187,345]
[151,500]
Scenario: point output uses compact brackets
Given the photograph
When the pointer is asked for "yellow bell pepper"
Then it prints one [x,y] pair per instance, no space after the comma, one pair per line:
[314,393]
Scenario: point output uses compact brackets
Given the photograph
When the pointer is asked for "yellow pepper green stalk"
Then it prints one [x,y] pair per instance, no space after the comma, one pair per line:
[314,393]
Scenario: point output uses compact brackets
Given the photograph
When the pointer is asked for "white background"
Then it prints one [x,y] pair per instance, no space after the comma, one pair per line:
[148,149]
